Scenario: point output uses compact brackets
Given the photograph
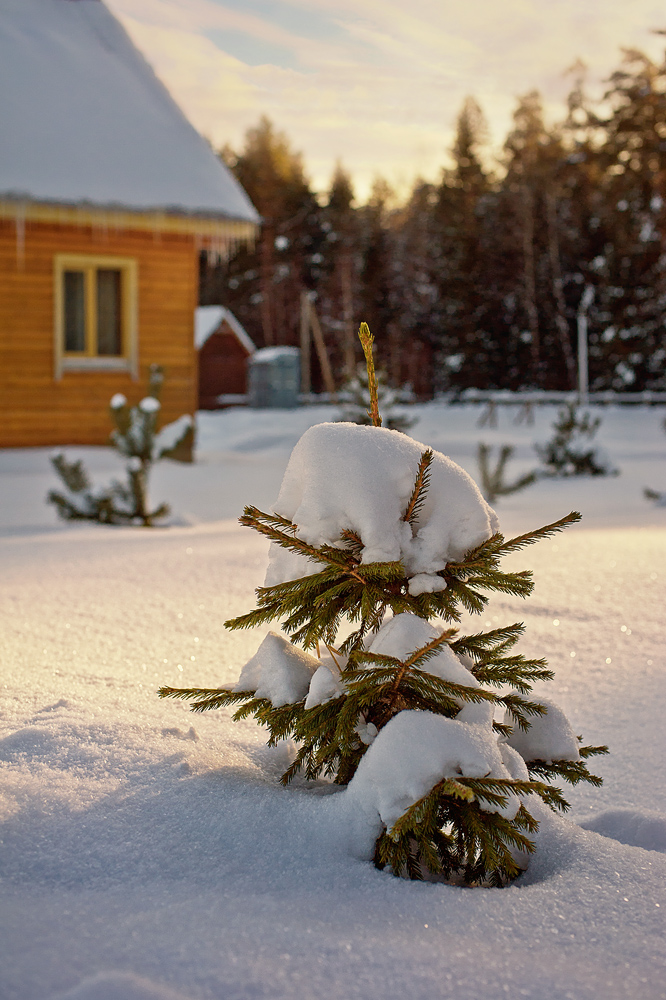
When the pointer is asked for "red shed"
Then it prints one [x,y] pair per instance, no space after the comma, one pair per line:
[223,348]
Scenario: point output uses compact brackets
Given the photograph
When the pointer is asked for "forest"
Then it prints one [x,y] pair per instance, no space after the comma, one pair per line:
[479,280]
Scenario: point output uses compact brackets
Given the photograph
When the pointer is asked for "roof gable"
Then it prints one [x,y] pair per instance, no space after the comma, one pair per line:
[207,320]
[84,119]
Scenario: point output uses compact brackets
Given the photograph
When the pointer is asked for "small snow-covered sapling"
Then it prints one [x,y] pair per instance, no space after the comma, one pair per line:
[137,439]
[655,496]
[493,484]
[378,544]
[568,452]
[355,398]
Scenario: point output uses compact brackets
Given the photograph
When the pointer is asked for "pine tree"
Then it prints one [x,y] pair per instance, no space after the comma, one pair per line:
[136,437]
[371,705]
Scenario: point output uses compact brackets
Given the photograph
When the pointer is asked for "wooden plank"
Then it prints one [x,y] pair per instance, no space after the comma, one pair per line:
[77,406]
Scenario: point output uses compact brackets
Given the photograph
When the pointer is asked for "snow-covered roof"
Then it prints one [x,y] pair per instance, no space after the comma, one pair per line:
[84,119]
[270,354]
[207,320]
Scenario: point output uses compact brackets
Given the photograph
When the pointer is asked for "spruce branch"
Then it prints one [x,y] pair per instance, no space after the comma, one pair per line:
[530,537]
[420,490]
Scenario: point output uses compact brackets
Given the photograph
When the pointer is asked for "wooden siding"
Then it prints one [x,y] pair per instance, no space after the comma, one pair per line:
[222,367]
[37,409]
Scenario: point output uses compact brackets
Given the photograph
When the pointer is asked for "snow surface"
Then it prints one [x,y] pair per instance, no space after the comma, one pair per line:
[85,120]
[145,848]
[270,354]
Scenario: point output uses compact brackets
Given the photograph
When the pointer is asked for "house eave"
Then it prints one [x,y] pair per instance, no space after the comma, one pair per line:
[208,226]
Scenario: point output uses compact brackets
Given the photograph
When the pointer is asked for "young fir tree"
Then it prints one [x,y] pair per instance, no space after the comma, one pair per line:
[137,439]
[402,710]
[568,452]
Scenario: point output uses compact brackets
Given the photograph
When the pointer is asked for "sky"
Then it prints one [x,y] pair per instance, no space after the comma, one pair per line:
[378,84]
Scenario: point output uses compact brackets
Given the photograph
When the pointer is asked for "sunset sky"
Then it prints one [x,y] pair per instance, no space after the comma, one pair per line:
[377,83]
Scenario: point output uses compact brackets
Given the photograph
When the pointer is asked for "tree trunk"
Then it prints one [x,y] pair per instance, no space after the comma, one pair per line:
[348,312]
[558,294]
[267,240]
[529,286]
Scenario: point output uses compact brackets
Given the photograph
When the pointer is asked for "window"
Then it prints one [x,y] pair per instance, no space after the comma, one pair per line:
[95,313]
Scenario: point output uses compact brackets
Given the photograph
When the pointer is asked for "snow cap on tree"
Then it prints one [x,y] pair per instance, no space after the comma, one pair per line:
[352,477]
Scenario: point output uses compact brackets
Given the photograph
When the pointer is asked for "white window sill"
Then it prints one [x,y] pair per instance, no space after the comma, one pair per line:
[95,364]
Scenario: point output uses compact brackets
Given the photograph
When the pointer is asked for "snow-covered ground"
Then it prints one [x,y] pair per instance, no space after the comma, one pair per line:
[150,853]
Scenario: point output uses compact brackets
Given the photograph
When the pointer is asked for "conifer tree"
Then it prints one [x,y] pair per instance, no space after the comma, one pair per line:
[355,397]
[493,483]
[568,453]
[402,698]
[136,438]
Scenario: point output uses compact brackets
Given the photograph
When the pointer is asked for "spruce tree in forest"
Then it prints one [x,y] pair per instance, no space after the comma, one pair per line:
[460,272]
[370,570]
[262,283]
[337,285]
[631,345]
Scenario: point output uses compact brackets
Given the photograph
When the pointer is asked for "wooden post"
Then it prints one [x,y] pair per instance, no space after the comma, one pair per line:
[558,294]
[306,379]
[583,378]
[322,353]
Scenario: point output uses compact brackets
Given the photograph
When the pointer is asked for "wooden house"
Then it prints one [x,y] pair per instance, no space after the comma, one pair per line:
[223,348]
[107,197]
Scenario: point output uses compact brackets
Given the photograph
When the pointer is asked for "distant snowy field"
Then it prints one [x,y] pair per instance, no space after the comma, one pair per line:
[147,853]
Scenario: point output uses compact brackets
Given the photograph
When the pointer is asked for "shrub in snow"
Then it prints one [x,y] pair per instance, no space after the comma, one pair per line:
[355,399]
[655,496]
[493,483]
[568,452]
[376,536]
[136,437]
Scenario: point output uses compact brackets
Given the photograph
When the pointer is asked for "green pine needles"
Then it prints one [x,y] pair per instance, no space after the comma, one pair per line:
[395,669]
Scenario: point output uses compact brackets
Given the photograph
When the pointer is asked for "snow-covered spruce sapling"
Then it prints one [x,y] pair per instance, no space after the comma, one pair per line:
[493,483]
[655,496]
[376,536]
[568,452]
[137,439]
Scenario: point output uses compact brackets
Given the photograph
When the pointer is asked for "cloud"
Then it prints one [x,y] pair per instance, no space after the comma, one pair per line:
[378,83]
